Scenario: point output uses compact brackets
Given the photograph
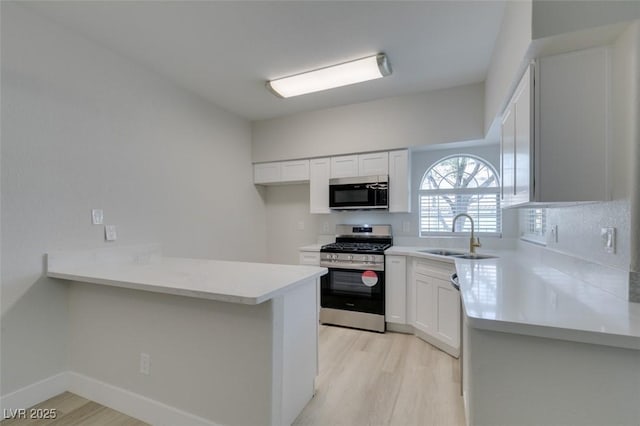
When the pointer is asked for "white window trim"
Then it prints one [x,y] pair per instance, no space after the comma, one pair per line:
[538,238]
[456,191]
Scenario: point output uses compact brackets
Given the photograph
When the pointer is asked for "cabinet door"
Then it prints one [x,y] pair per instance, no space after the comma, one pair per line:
[319,172]
[572,130]
[399,182]
[447,324]
[425,303]
[344,166]
[396,289]
[522,146]
[507,157]
[310,258]
[373,164]
[294,171]
[267,172]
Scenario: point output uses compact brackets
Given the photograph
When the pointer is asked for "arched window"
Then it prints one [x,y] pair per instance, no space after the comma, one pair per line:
[459,184]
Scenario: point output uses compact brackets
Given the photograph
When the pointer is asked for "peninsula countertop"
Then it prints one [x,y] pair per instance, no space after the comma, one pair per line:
[227,281]
[518,293]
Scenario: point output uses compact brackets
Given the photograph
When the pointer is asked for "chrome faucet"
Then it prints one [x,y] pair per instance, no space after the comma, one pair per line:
[473,241]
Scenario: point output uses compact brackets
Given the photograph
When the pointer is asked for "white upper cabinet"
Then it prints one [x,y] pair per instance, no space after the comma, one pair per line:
[573,92]
[373,164]
[319,172]
[555,131]
[281,172]
[295,171]
[370,164]
[344,166]
[399,182]
[267,173]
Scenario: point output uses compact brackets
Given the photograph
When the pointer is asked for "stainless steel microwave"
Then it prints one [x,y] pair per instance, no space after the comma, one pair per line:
[359,193]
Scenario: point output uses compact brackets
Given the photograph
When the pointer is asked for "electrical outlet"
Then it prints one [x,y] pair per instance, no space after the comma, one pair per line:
[145,364]
[608,239]
[325,228]
[110,233]
[406,226]
[97,216]
[301,225]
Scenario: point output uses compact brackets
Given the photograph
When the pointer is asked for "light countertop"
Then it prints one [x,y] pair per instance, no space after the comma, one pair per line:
[311,247]
[418,252]
[236,282]
[518,293]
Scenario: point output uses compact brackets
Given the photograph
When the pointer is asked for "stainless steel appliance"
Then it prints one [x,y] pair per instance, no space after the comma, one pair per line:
[352,293]
[368,192]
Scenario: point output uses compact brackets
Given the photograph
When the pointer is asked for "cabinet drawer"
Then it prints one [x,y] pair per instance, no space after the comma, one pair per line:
[309,258]
[433,268]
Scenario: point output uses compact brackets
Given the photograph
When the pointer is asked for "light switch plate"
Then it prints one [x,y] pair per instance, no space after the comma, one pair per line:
[554,234]
[110,233]
[97,216]
[608,239]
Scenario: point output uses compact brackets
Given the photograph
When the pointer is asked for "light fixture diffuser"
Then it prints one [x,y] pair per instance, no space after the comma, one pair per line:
[357,71]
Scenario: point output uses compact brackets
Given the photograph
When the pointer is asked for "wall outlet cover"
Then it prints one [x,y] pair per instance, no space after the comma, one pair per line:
[97,216]
[608,239]
[110,233]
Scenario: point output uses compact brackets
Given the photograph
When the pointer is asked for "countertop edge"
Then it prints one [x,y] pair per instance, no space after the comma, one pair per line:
[185,292]
[554,332]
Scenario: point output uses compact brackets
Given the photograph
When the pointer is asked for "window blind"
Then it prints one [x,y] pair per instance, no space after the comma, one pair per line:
[437,210]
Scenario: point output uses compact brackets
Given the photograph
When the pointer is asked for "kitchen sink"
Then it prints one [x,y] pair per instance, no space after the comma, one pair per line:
[442,252]
[473,256]
[458,254]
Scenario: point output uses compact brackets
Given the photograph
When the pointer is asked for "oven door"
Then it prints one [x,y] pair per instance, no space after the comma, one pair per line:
[353,290]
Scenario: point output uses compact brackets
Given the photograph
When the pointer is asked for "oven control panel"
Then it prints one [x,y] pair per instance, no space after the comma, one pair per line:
[352,261]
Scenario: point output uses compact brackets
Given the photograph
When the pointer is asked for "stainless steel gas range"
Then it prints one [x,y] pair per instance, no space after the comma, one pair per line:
[352,293]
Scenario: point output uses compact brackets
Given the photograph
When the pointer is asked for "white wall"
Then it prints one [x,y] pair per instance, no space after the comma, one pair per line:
[85,128]
[288,205]
[447,115]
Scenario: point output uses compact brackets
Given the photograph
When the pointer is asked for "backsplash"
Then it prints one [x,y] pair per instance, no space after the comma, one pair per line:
[579,231]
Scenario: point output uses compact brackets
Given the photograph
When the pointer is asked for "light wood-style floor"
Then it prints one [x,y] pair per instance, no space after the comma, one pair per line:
[365,379]
[73,410]
[394,379]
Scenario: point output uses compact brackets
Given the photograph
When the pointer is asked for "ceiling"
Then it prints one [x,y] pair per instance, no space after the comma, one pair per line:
[225,51]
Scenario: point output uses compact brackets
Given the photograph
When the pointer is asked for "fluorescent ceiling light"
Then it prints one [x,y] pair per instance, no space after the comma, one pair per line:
[369,68]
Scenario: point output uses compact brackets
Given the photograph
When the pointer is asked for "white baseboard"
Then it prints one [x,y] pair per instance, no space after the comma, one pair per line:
[35,393]
[132,404]
[127,402]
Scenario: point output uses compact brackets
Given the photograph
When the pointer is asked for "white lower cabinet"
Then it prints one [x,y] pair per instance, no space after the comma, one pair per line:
[395,289]
[447,323]
[436,304]
[424,303]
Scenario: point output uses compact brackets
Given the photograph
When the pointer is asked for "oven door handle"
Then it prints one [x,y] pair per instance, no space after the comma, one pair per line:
[355,266]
